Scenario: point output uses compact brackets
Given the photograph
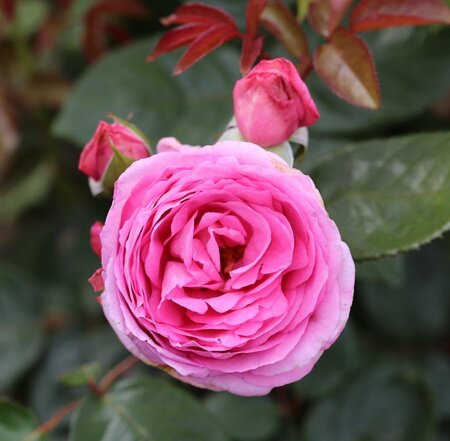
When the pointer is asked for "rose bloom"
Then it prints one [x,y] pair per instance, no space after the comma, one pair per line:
[222,267]
[272,102]
[98,152]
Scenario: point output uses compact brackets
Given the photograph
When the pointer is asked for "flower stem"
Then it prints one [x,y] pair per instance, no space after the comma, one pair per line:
[116,372]
[54,421]
[100,389]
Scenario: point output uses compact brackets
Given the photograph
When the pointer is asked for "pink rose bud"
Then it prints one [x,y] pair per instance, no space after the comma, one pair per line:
[271,102]
[110,151]
[96,244]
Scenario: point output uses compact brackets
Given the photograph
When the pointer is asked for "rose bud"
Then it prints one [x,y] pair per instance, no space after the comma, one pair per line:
[110,152]
[96,245]
[222,267]
[272,102]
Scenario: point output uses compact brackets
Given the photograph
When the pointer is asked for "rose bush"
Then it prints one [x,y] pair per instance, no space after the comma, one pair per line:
[271,102]
[222,266]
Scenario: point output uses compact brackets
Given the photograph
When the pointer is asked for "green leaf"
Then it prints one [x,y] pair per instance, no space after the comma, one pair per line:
[194,107]
[144,409]
[280,21]
[16,423]
[319,148]
[27,192]
[408,87]
[69,348]
[118,164]
[21,335]
[417,310]
[438,380]
[302,8]
[81,375]
[385,404]
[246,419]
[29,17]
[336,367]
[388,196]
[390,271]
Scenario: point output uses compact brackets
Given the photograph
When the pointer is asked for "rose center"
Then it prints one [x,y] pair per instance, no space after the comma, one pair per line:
[229,257]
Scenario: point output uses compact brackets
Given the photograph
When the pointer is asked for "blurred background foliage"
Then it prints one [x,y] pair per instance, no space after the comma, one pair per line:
[387,378]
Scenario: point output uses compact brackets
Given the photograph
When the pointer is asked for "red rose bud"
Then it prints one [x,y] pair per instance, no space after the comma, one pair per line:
[110,152]
[96,243]
[272,102]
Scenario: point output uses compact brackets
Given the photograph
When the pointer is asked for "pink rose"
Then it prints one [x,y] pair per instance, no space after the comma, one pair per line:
[271,102]
[222,267]
[98,152]
[96,244]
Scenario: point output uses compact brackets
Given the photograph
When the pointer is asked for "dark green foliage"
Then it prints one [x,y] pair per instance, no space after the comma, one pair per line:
[385,180]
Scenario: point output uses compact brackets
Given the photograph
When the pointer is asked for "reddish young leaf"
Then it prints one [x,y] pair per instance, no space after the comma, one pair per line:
[97,23]
[305,65]
[130,8]
[204,28]
[254,11]
[375,14]
[251,50]
[119,34]
[282,23]
[9,130]
[205,43]
[198,13]
[64,4]
[8,9]
[55,23]
[346,65]
[94,41]
[326,15]
[176,38]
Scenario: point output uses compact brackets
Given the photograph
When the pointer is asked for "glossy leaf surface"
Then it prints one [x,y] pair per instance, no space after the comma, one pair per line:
[145,409]
[389,195]
[186,107]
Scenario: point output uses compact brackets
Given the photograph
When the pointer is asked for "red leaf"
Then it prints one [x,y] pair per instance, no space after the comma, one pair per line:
[346,65]
[254,11]
[64,4]
[8,9]
[198,13]
[97,23]
[9,131]
[130,8]
[251,50]
[119,34]
[205,43]
[375,14]
[204,27]
[326,15]
[94,41]
[305,66]
[282,23]
[176,38]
